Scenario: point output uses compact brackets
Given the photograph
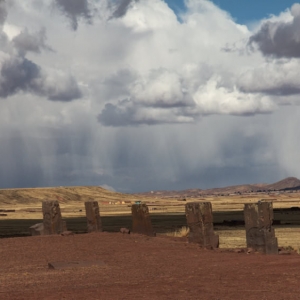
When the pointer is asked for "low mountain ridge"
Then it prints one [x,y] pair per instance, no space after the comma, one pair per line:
[62,194]
[289,183]
[85,193]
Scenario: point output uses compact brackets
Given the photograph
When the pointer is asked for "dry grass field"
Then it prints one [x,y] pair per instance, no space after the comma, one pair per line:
[21,208]
[27,202]
[288,237]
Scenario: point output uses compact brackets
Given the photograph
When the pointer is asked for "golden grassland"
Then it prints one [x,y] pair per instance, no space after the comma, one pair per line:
[27,205]
[27,202]
[236,238]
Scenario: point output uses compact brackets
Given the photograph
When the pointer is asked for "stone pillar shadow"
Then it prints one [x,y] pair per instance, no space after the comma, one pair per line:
[141,221]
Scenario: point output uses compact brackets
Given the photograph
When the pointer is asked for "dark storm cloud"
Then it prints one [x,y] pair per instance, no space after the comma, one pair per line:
[118,84]
[45,156]
[280,39]
[160,97]
[284,89]
[167,82]
[127,113]
[121,8]
[20,74]
[113,115]
[22,166]
[26,42]
[68,92]
[74,10]
[161,150]
[3,12]
[4,42]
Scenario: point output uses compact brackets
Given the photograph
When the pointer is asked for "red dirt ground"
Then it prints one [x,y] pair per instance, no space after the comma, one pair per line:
[138,267]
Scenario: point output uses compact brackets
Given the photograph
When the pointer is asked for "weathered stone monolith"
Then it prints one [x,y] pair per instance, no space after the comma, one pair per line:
[200,221]
[93,216]
[141,221]
[52,221]
[260,234]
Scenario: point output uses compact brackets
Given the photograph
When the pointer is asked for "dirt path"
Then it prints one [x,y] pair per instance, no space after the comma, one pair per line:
[138,267]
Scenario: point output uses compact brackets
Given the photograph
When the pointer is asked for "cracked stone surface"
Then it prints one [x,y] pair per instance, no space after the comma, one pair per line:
[200,221]
[93,216]
[260,234]
[52,220]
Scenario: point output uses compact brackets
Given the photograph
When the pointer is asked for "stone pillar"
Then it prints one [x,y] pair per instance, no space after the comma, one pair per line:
[200,221]
[260,234]
[53,223]
[93,216]
[141,221]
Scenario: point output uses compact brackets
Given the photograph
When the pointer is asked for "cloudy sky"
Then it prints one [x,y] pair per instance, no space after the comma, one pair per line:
[141,95]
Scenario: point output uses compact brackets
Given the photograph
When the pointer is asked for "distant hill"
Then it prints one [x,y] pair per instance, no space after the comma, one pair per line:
[85,193]
[289,183]
[62,194]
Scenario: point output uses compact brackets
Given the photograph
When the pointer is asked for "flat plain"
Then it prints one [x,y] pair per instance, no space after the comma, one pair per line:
[21,208]
[139,267]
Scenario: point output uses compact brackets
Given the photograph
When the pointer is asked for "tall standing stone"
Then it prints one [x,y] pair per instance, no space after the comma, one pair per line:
[93,216]
[141,221]
[200,221]
[260,234]
[52,221]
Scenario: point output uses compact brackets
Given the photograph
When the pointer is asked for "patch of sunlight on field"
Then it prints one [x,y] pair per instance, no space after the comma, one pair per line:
[232,238]
[288,236]
[236,238]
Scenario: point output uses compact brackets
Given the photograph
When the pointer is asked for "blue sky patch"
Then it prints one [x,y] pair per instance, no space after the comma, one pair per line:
[243,11]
